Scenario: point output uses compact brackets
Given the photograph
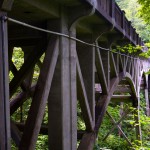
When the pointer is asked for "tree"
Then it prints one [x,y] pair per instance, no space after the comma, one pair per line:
[145,10]
[132,9]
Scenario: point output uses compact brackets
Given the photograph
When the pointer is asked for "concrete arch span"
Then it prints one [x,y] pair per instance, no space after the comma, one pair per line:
[101,107]
[104,100]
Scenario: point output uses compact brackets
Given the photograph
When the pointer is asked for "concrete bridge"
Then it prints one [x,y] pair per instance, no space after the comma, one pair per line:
[77,37]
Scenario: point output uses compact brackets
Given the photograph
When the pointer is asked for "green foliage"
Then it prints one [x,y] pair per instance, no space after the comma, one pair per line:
[128,49]
[42,142]
[21,113]
[145,10]
[10,76]
[133,50]
[117,142]
[114,141]
[13,145]
[37,69]
[146,54]
[80,121]
[145,123]
[18,57]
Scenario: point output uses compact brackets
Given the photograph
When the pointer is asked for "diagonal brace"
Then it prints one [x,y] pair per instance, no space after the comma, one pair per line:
[116,124]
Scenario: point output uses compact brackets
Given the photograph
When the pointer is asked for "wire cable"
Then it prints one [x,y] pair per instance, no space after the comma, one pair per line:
[63,35]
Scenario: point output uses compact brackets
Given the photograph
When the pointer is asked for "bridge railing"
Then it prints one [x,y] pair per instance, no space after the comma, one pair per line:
[112,12]
[127,25]
[104,5]
[118,16]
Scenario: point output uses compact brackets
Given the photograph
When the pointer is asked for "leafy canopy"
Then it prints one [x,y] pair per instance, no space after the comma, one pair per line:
[145,10]
[132,9]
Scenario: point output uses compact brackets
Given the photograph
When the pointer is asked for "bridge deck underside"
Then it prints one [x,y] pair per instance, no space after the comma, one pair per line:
[71,73]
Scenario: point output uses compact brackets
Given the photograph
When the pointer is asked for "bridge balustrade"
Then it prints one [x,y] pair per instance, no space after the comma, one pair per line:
[132,34]
[135,35]
[118,16]
[112,10]
[105,5]
[127,27]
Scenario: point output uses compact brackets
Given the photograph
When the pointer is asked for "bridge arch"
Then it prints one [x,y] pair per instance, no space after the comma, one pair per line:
[144,88]
[101,107]
[129,79]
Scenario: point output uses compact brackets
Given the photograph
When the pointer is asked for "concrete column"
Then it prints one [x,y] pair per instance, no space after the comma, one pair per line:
[4,87]
[62,115]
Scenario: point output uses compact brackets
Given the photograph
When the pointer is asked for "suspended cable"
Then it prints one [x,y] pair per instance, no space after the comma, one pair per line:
[63,35]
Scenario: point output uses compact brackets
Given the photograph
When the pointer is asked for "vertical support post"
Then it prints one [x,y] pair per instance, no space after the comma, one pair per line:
[106,65]
[137,121]
[149,91]
[132,68]
[121,114]
[146,96]
[123,22]
[116,59]
[136,75]
[137,113]
[62,115]
[112,14]
[129,28]
[73,91]
[4,86]
[128,65]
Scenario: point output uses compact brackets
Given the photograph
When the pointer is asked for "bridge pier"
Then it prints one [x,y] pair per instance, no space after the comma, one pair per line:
[149,92]
[137,121]
[146,92]
[4,86]
[62,100]
[57,83]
